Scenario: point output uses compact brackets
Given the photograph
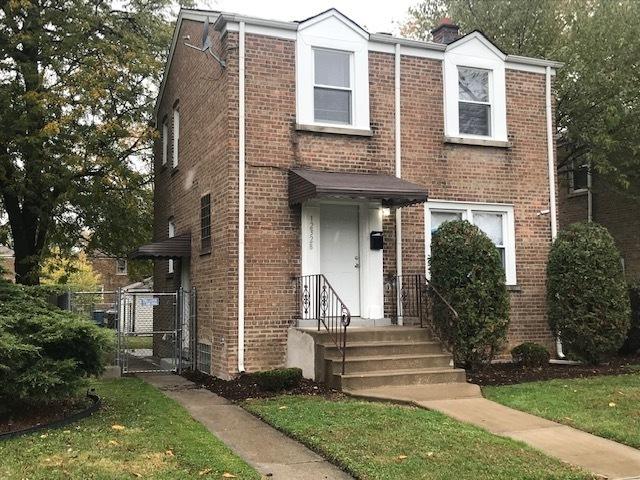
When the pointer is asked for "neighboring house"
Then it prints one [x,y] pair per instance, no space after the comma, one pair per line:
[8,264]
[317,136]
[113,271]
[586,196]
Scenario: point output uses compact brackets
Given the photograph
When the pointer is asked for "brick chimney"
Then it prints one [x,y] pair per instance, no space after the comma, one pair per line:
[446,32]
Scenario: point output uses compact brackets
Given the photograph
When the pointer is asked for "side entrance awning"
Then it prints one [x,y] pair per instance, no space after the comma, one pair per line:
[174,247]
[392,191]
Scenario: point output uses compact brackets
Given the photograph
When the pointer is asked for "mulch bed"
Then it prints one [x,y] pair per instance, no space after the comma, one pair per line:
[32,416]
[508,373]
[244,387]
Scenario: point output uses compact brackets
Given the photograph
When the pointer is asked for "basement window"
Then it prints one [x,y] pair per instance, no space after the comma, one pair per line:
[204,358]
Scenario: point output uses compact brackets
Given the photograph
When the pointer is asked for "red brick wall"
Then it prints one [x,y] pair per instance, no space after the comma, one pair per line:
[106,267]
[516,175]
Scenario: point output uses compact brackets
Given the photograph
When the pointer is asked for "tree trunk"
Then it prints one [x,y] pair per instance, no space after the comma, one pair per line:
[27,269]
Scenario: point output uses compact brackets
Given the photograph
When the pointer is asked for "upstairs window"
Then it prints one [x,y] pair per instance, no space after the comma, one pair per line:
[205,223]
[474,102]
[176,135]
[165,141]
[578,178]
[332,89]
[121,266]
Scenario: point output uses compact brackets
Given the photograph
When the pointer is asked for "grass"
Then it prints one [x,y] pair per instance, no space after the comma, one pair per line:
[382,441]
[139,433]
[606,406]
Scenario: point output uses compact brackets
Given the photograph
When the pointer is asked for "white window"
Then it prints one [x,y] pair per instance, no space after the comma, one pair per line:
[332,93]
[165,141]
[578,178]
[474,104]
[176,135]
[172,233]
[121,266]
[332,75]
[495,220]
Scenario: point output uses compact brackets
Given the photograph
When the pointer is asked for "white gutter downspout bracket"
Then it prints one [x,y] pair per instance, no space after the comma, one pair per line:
[241,195]
[552,179]
[398,170]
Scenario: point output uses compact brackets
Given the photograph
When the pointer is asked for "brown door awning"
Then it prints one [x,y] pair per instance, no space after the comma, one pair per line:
[174,247]
[392,191]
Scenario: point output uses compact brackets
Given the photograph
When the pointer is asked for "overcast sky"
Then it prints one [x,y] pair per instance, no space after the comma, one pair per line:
[374,16]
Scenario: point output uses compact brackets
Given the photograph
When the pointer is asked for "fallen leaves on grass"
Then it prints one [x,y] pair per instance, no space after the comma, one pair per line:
[117,427]
[205,471]
[228,475]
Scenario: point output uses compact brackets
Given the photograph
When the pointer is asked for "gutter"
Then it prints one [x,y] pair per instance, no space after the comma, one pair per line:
[398,169]
[552,178]
[241,195]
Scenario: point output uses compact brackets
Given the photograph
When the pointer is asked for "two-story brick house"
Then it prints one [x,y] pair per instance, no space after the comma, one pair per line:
[310,138]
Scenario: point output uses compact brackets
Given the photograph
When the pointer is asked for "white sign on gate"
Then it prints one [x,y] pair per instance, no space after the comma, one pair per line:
[149,302]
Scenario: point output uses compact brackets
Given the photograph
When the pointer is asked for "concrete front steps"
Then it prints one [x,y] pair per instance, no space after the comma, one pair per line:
[387,357]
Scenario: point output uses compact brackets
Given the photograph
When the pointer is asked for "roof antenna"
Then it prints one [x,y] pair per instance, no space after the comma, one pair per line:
[207,44]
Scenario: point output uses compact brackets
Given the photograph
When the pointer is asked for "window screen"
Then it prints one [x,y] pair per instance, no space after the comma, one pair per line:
[474,106]
[332,86]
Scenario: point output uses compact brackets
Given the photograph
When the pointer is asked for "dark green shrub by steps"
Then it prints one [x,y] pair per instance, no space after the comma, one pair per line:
[46,353]
[530,354]
[587,293]
[278,379]
[466,270]
[632,344]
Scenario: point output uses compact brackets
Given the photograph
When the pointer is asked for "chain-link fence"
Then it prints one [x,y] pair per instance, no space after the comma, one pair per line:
[153,331]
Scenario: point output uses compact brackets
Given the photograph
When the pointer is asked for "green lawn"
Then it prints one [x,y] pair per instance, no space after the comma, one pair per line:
[383,441]
[608,406]
[139,433]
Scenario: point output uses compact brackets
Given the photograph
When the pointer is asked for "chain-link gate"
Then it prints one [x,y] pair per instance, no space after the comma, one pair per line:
[154,331]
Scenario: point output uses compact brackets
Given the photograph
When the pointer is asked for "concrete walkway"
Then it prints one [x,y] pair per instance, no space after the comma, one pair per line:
[271,453]
[606,458]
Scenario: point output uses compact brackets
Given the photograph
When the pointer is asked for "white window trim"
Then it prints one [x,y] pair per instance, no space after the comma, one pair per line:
[171,233]
[508,232]
[165,141]
[323,32]
[350,88]
[572,189]
[481,56]
[176,135]
[126,266]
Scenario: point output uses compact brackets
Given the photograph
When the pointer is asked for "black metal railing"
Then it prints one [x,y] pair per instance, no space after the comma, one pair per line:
[318,301]
[412,298]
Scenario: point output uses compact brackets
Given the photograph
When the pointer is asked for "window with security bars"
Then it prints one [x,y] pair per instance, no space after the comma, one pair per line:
[204,358]
[205,222]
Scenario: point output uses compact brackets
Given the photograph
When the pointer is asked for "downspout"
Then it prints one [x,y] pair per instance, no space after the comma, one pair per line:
[589,195]
[398,170]
[552,180]
[241,199]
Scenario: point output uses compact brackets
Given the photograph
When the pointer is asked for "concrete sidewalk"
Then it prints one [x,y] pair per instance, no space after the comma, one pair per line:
[271,453]
[609,459]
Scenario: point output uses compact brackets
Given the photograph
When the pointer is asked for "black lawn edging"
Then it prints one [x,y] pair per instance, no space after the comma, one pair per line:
[84,413]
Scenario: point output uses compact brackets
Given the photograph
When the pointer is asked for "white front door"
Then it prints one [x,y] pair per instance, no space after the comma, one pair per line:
[339,252]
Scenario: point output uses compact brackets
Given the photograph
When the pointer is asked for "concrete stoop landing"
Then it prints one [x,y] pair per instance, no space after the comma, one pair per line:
[386,356]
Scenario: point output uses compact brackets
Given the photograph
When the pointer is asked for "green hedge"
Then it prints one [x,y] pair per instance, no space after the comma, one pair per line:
[46,353]
[278,379]
[632,344]
[587,293]
[530,354]
[466,270]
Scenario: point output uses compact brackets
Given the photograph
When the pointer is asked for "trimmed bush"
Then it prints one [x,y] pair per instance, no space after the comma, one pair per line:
[46,353]
[632,344]
[587,293]
[530,354]
[278,379]
[467,271]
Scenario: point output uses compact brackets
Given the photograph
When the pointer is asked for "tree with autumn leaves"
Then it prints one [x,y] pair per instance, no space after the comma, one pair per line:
[78,80]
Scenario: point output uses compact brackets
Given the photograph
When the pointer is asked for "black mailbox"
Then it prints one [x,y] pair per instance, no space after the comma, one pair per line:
[376,240]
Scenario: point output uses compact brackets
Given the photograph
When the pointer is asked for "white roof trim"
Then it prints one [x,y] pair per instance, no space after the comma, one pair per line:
[482,39]
[332,12]
[377,41]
